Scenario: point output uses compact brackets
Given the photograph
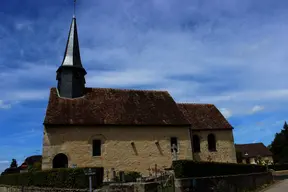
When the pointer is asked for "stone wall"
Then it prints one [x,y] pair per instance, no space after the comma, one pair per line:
[117,187]
[4,188]
[231,183]
[151,146]
[225,148]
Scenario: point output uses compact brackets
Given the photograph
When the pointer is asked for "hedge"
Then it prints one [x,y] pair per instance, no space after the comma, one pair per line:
[189,168]
[55,178]
[278,167]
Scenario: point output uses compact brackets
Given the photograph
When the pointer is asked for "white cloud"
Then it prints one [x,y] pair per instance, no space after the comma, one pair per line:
[195,52]
[4,162]
[24,25]
[226,113]
[4,105]
[256,109]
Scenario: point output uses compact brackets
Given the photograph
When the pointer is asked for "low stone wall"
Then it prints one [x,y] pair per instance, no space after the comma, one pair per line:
[231,183]
[116,187]
[131,187]
[5,188]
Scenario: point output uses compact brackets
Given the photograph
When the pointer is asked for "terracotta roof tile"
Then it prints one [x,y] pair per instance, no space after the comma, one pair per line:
[204,116]
[253,149]
[114,107]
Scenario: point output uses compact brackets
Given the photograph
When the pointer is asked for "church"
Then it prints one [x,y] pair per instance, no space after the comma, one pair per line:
[126,129]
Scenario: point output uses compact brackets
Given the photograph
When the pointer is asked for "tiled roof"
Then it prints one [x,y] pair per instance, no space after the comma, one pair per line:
[253,150]
[204,116]
[102,106]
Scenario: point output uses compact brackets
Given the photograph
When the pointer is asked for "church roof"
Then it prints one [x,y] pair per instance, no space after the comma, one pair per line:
[102,106]
[204,116]
[253,150]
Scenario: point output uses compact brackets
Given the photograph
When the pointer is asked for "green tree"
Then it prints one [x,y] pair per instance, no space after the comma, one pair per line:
[35,167]
[279,146]
[13,164]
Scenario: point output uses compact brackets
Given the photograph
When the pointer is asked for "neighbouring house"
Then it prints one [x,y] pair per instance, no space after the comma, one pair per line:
[30,161]
[253,151]
[124,129]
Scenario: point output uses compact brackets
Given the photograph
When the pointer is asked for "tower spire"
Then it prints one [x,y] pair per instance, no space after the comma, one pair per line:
[71,74]
[72,51]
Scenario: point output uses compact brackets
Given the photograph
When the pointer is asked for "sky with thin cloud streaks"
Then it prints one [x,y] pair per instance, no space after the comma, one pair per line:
[232,53]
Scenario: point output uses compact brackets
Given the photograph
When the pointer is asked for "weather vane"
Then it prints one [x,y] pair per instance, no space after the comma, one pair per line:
[74,13]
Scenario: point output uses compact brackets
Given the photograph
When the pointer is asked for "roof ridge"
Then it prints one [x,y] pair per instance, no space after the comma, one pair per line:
[120,89]
[123,89]
[250,143]
[196,104]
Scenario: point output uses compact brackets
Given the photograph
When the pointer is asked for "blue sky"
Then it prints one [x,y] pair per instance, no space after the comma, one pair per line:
[232,53]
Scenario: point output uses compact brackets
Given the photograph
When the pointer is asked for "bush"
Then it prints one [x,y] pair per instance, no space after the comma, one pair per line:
[278,167]
[131,176]
[11,171]
[189,168]
[55,178]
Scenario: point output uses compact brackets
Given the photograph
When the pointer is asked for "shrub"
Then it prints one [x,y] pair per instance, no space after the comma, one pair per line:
[131,176]
[189,168]
[278,167]
[55,178]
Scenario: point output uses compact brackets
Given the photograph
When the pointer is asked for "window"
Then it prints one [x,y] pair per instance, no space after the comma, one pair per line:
[174,143]
[196,143]
[211,142]
[96,147]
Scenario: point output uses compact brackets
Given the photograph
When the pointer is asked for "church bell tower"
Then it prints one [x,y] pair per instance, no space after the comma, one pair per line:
[71,74]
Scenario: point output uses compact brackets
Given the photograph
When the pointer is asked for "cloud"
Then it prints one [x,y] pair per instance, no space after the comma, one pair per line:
[24,25]
[3,105]
[227,53]
[4,162]
[256,109]
[203,53]
[226,113]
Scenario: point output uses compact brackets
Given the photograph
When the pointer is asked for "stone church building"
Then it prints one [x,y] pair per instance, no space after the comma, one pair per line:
[124,129]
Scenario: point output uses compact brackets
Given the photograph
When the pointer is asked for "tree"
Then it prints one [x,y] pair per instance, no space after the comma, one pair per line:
[13,164]
[279,146]
[35,167]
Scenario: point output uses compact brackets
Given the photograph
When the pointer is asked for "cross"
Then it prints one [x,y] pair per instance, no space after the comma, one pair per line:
[74,13]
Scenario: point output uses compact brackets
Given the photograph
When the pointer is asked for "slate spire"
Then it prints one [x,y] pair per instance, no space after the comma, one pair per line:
[72,51]
[71,74]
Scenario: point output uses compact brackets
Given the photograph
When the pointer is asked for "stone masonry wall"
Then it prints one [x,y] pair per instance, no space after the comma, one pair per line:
[37,189]
[225,148]
[117,151]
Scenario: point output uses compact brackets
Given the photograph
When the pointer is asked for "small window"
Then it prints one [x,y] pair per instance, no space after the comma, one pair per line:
[196,143]
[174,143]
[211,142]
[96,147]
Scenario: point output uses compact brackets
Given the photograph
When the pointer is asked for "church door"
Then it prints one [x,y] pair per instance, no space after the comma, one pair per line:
[60,161]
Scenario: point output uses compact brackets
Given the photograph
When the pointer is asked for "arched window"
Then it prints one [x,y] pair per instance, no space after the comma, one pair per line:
[196,143]
[211,142]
